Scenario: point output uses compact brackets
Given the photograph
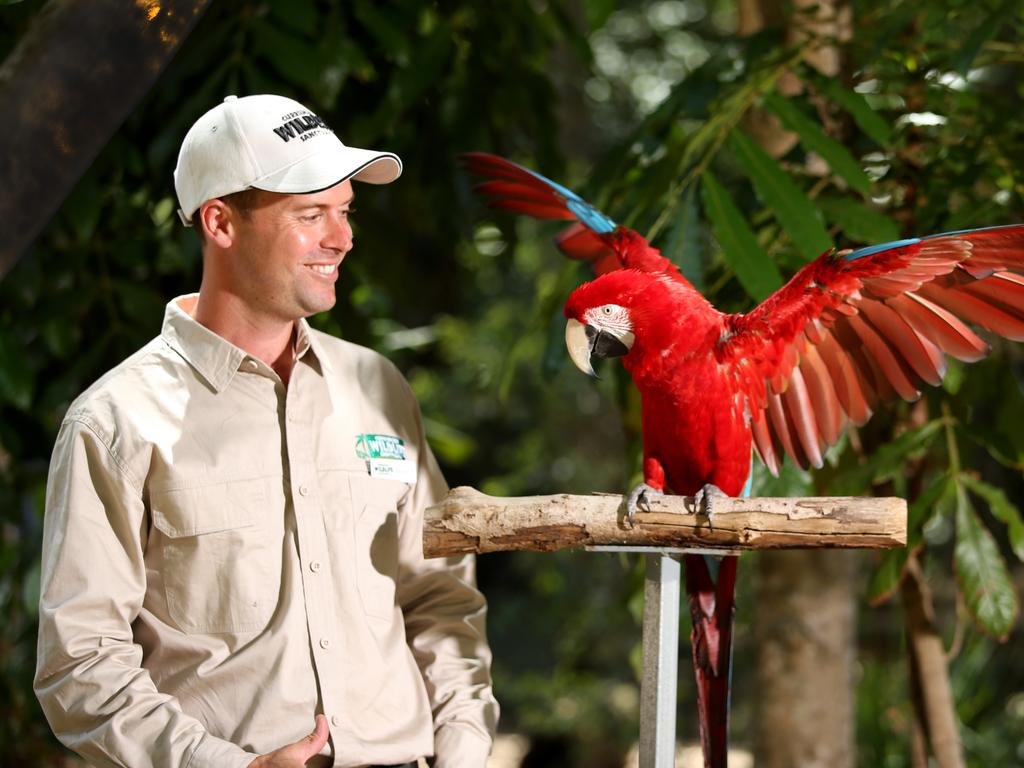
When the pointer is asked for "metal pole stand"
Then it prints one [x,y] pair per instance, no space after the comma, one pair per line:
[661,654]
[660,649]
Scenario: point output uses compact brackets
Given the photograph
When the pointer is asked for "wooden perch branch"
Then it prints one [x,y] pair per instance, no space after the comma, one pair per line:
[470,521]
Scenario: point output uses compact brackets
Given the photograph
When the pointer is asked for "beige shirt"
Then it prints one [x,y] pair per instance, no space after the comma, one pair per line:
[219,565]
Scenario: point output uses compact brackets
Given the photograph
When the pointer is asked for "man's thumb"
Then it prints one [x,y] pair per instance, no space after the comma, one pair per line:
[316,740]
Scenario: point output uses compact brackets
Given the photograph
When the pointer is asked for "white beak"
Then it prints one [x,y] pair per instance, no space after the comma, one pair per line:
[579,346]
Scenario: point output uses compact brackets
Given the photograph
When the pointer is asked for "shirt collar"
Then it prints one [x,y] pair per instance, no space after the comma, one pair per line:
[307,341]
[215,358]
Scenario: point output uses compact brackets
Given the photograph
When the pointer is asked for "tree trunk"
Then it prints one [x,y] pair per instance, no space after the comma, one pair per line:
[805,620]
[65,89]
[804,636]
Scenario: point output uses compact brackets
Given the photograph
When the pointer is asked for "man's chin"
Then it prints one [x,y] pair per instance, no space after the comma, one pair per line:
[314,305]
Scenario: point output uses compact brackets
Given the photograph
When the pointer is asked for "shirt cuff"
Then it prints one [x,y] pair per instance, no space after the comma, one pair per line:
[456,747]
[217,753]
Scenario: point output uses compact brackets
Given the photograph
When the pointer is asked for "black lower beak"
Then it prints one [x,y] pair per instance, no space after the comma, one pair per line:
[603,344]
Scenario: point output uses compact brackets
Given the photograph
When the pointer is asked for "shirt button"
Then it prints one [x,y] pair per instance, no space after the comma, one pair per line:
[325,643]
[335,720]
[315,566]
[303,490]
[253,365]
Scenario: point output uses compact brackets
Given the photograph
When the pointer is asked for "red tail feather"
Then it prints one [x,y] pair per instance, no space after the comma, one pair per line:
[712,603]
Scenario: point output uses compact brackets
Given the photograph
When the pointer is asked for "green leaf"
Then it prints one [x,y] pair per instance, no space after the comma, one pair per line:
[381,26]
[17,382]
[451,445]
[141,304]
[61,336]
[887,462]
[889,572]
[866,118]
[756,272]
[83,208]
[791,481]
[684,244]
[887,575]
[779,192]
[299,15]
[969,51]
[30,588]
[1002,509]
[859,222]
[937,497]
[292,56]
[816,140]
[954,378]
[984,580]
[432,59]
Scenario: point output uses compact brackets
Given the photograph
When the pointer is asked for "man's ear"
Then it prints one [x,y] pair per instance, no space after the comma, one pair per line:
[218,222]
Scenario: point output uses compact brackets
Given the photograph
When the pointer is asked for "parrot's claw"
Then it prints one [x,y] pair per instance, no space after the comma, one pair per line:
[638,499]
[704,500]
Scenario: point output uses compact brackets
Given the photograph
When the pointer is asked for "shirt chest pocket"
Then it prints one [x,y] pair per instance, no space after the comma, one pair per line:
[221,556]
[375,505]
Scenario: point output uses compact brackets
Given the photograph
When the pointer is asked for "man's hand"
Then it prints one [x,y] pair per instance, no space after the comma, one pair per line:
[296,754]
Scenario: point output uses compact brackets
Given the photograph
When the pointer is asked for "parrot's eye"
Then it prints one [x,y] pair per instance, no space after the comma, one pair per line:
[609,315]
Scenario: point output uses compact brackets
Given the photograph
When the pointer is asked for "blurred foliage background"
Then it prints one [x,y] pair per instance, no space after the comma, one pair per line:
[641,106]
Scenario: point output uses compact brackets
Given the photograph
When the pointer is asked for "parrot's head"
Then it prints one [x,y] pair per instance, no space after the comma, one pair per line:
[607,315]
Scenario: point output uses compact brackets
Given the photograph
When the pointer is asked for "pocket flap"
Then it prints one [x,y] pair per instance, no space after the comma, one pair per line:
[207,509]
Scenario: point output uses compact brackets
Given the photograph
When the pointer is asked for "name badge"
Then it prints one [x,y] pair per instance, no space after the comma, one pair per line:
[402,470]
[380,447]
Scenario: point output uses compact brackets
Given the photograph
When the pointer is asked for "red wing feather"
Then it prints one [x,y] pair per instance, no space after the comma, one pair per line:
[846,334]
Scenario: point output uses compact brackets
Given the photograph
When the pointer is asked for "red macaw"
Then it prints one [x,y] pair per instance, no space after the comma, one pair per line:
[849,331]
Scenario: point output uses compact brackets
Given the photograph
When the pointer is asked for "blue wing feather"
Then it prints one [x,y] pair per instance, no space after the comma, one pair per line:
[871,250]
[588,215]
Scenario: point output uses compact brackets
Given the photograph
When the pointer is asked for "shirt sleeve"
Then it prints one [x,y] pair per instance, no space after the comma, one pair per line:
[98,699]
[445,628]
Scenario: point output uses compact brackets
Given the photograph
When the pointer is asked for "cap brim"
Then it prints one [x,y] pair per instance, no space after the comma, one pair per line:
[323,170]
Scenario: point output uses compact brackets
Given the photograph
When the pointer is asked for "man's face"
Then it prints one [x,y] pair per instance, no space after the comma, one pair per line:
[286,253]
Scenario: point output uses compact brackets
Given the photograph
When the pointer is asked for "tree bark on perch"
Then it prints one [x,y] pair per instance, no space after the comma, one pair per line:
[470,521]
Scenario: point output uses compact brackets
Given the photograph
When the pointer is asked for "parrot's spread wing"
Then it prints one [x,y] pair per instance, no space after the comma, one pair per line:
[594,237]
[856,328]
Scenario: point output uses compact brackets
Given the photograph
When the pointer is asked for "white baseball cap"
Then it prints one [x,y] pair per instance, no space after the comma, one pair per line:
[271,143]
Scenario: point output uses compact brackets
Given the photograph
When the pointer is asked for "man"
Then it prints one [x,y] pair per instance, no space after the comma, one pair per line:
[232,546]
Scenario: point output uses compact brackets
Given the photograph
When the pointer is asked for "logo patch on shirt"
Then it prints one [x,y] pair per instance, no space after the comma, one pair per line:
[380,447]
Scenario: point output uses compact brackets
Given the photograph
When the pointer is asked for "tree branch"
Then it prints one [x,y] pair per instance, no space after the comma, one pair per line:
[931,694]
[470,521]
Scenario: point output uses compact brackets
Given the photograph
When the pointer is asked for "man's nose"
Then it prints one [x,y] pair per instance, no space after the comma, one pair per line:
[339,234]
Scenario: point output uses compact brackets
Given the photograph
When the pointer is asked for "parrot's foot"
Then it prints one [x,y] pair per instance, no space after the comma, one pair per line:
[639,499]
[704,500]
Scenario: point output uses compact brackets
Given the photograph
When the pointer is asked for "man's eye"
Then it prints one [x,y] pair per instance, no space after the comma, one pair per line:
[310,217]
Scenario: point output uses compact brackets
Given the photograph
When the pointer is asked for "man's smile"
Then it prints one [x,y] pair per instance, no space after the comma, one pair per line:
[328,270]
